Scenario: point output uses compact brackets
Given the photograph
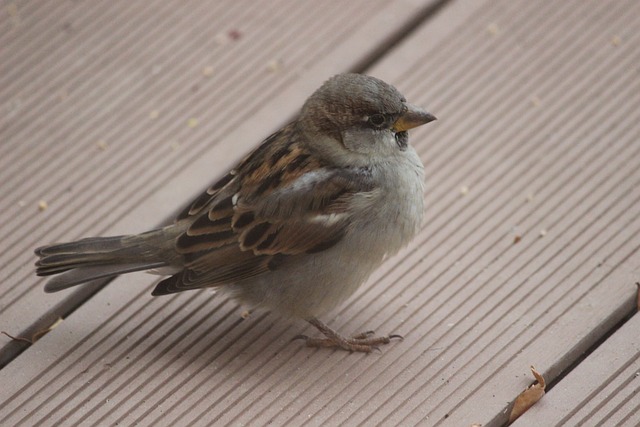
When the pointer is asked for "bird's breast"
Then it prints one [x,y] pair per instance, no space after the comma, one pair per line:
[396,216]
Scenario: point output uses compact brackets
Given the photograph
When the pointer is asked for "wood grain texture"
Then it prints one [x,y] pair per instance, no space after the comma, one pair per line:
[602,390]
[528,255]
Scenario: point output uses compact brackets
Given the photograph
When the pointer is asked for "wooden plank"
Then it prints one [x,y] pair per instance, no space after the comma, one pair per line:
[107,102]
[602,390]
[539,118]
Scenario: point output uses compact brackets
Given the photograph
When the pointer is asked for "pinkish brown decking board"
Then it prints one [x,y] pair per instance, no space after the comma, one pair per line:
[538,107]
[602,390]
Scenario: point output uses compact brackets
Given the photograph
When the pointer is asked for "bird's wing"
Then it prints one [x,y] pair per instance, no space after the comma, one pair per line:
[264,213]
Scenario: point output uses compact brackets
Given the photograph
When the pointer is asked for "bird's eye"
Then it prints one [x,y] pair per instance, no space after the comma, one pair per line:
[377,120]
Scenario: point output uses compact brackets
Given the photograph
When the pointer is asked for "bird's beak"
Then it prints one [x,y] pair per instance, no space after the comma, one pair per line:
[412,117]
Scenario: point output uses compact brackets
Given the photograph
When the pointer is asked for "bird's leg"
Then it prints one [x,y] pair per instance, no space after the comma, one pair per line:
[364,342]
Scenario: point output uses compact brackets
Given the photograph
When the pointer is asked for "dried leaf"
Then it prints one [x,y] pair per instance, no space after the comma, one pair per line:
[23,339]
[39,334]
[529,397]
[36,336]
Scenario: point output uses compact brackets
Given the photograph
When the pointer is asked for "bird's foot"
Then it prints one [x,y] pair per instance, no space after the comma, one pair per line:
[364,342]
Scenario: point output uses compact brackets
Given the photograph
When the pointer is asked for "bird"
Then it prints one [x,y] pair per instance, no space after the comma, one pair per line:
[296,226]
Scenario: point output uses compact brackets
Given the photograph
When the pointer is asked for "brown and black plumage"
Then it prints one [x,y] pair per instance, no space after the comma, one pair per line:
[297,225]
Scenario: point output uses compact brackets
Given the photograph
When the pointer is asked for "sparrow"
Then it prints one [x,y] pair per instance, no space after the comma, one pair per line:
[297,225]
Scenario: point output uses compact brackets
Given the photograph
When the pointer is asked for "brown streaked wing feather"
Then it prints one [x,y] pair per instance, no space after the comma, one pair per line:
[308,214]
[247,166]
[206,198]
[215,268]
[287,202]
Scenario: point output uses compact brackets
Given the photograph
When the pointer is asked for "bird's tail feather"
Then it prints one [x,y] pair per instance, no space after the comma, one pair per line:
[98,257]
[81,275]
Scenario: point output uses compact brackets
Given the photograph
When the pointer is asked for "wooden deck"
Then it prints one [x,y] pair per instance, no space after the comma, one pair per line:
[115,114]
